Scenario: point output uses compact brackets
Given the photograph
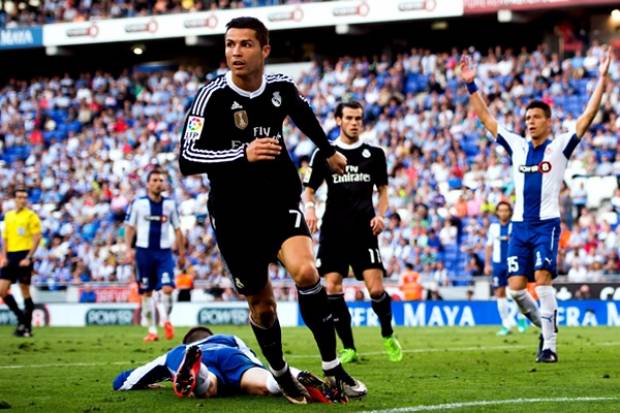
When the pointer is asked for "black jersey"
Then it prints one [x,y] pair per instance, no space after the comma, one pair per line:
[224,119]
[349,196]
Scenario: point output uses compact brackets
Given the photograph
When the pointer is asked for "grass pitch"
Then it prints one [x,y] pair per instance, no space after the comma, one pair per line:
[444,369]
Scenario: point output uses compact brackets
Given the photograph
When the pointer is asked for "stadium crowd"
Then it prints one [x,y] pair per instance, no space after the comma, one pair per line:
[20,13]
[83,146]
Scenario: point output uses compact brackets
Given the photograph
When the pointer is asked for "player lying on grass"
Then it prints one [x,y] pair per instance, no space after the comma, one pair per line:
[208,365]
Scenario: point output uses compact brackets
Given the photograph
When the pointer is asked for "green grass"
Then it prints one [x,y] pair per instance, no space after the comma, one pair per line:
[71,370]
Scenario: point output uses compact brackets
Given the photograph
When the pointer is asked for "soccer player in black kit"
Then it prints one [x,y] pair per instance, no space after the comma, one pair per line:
[350,227]
[233,132]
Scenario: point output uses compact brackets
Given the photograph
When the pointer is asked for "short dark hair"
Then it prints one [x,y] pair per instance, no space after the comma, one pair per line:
[539,104]
[500,203]
[353,104]
[19,189]
[152,172]
[197,333]
[262,34]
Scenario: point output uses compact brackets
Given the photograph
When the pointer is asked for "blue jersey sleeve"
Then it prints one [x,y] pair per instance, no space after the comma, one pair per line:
[139,378]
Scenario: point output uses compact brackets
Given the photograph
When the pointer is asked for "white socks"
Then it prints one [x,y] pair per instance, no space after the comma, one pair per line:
[503,308]
[165,306]
[548,311]
[527,305]
[272,384]
[149,313]
[152,303]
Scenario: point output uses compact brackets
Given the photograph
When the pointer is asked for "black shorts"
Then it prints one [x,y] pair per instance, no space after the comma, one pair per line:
[249,242]
[343,249]
[13,272]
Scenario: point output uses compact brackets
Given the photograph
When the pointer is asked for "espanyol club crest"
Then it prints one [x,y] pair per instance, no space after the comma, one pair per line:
[276,99]
[241,119]
[366,153]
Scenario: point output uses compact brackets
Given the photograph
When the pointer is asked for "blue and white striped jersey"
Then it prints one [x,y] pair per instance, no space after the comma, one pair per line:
[498,238]
[215,351]
[538,173]
[154,222]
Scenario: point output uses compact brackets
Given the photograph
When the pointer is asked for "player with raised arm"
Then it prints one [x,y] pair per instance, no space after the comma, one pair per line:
[150,219]
[233,132]
[538,165]
[350,227]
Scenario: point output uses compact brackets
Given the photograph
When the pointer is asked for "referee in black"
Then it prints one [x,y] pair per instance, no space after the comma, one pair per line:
[233,132]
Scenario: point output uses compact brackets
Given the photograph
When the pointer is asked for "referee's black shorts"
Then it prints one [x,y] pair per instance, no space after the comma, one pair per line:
[13,272]
[249,242]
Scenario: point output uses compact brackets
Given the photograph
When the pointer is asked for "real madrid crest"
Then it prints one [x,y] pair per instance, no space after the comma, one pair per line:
[241,119]
[276,99]
[366,153]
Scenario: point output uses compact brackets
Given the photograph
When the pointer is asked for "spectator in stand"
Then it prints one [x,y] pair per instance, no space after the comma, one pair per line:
[88,295]
[92,136]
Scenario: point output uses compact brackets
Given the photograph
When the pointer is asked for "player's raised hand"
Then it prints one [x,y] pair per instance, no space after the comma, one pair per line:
[468,71]
[311,219]
[263,149]
[377,224]
[337,162]
[609,56]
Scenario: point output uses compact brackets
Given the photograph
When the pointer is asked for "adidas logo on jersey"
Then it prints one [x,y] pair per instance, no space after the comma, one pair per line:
[236,106]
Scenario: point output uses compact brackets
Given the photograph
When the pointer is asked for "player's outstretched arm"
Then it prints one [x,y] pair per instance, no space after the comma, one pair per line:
[584,121]
[468,75]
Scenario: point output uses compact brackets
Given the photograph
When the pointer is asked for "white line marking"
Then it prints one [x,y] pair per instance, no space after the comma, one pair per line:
[451,406]
[453,349]
[314,356]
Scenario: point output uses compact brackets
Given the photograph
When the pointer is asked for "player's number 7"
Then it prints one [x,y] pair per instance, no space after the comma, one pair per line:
[297,217]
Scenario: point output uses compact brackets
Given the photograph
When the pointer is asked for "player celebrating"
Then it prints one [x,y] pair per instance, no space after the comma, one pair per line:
[233,132]
[538,165]
[208,365]
[21,237]
[150,218]
[350,227]
[497,252]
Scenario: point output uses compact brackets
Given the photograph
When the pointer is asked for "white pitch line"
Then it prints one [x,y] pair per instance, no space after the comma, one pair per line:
[314,356]
[479,403]
[38,366]
[451,349]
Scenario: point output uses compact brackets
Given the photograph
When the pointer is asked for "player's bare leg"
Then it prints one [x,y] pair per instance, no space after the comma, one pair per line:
[296,255]
[548,316]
